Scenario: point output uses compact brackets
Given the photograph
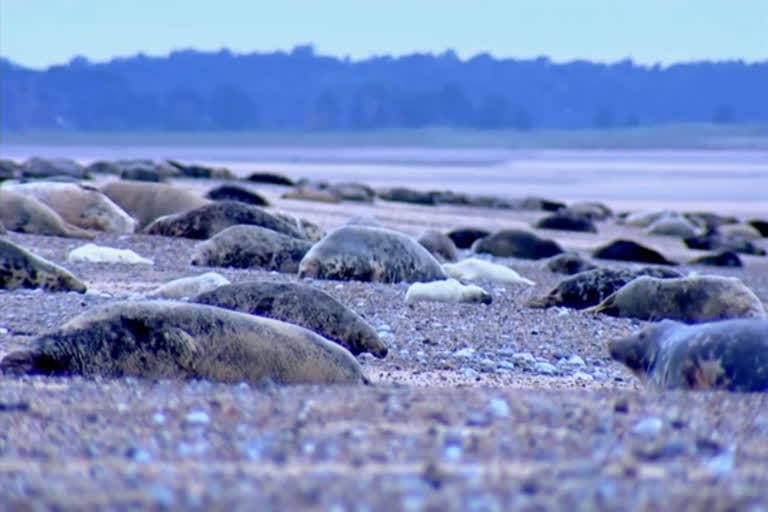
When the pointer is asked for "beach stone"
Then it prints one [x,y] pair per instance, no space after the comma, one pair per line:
[565,221]
[628,250]
[236,193]
[177,340]
[439,245]
[19,268]
[210,219]
[729,355]
[301,305]
[370,254]
[517,243]
[244,246]
[589,288]
[569,263]
[463,238]
[694,299]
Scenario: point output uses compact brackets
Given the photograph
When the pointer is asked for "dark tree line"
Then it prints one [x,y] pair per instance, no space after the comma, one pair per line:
[190,90]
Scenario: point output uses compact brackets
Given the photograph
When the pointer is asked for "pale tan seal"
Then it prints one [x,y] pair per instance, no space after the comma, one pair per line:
[79,205]
[20,268]
[730,355]
[360,253]
[302,305]
[148,201]
[210,219]
[26,214]
[251,247]
[166,339]
[695,299]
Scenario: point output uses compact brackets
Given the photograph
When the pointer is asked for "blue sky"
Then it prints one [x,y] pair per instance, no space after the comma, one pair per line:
[38,33]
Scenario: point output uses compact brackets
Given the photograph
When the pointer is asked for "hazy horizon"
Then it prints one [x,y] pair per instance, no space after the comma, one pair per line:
[598,30]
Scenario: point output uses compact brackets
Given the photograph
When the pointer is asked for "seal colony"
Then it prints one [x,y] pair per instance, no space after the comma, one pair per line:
[288,331]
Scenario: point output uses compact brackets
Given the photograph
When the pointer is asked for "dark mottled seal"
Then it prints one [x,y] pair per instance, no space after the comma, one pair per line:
[439,245]
[301,305]
[20,268]
[566,221]
[361,253]
[628,250]
[166,339]
[465,237]
[569,263]
[719,259]
[589,288]
[251,247]
[731,355]
[516,243]
[695,299]
[760,225]
[205,221]
[270,178]
[236,193]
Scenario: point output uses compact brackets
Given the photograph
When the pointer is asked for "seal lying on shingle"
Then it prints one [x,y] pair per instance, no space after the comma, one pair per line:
[695,299]
[628,250]
[730,355]
[302,305]
[516,243]
[251,247]
[204,222]
[588,288]
[165,339]
[149,201]
[20,268]
[26,214]
[359,253]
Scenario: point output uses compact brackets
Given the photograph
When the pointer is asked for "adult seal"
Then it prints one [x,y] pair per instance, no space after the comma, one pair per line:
[80,205]
[251,247]
[20,268]
[25,214]
[301,305]
[589,288]
[731,355]
[695,299]
[359,253]
[166,339]
[147,201]
[206,221]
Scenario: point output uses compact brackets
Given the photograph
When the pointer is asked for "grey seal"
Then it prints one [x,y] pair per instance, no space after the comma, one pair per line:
[20,268]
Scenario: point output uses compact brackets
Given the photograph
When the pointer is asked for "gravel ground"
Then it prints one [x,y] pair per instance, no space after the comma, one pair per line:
[477,407]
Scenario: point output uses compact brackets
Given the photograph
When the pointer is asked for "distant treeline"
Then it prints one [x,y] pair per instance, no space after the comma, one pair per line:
[190,90]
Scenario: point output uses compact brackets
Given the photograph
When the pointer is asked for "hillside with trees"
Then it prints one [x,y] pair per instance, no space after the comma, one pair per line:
[300,90]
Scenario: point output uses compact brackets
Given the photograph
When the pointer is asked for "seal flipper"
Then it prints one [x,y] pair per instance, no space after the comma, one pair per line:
[29,362]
